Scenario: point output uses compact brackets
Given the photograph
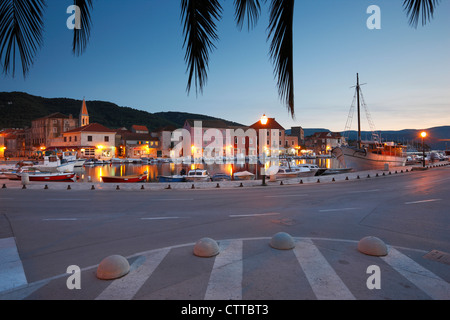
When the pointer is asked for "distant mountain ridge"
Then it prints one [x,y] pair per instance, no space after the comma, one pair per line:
[18,109]
[438,138]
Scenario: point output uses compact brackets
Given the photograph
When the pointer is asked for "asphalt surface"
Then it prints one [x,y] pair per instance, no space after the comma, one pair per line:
[43,232]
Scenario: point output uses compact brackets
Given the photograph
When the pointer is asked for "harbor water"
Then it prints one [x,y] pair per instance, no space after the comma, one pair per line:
[94,173]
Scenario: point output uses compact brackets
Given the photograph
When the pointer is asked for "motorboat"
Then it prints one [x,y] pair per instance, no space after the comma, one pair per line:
[198,175]
[312,167]
[220,177]
[172,178]
[52,163]
[243,175]
[124,179]
[71,157]
[287,173]
[37,175]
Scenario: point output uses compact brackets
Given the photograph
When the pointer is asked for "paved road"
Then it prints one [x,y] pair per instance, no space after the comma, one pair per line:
[43,232]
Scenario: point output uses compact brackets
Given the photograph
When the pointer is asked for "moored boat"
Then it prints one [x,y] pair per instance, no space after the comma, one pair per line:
[173,178]
[198,175]
[369,155]
[243,175]
[124,179]
[37,175]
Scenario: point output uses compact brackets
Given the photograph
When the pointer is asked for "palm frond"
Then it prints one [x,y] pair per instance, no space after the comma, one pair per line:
[281,48]
[247,9]
[417,9]
[81,36]
[199,30]
[21,27]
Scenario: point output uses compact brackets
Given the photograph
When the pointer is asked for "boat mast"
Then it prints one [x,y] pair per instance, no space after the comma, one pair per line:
[359,111]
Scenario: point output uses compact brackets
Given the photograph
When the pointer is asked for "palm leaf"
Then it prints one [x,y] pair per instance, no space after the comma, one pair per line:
[21,27]
[417,9]
[281,48]
[247,9]
[81,36]
[199,30]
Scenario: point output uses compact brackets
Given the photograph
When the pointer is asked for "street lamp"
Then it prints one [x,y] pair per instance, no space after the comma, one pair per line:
[264,120]
[423,134]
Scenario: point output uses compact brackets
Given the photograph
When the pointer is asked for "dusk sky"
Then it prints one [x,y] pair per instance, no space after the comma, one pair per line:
[135,58]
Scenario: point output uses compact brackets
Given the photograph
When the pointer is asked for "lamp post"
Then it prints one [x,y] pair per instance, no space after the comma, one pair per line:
[423,134]
[264,121]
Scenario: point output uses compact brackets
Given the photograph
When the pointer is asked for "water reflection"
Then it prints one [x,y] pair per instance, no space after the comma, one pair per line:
[94,173]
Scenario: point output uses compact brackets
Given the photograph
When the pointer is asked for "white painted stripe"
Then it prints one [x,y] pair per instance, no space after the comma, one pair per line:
[160,218]
[422,278]
[65,219]
[423,201]
[253,215]
[69,199]
[324,281]
[179,199]
[363,191]
[126,287]
[287,195]
[225,282]
[12,274]
[341,209]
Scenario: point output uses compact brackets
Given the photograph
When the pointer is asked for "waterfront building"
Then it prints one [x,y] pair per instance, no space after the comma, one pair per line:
[48,128]
[321,143]
[136,143]
[90,141]
[272,136]
[231,139]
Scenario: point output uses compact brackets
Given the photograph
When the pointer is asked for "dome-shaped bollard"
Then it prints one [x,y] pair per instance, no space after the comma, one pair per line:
[206,247]
[113,267]
[282,241]
[372,246]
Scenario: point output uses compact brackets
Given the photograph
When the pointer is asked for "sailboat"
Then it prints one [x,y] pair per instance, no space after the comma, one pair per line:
[369,155]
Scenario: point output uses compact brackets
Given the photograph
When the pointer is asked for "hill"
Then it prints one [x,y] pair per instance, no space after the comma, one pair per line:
[18,109]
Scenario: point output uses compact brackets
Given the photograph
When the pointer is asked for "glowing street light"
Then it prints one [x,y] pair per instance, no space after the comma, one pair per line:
[423,134]
[264,120]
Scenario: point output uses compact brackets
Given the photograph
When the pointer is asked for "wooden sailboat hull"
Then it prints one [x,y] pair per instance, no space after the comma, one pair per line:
[359,159]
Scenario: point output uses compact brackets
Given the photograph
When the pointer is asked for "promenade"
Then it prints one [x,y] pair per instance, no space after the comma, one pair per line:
[46,230]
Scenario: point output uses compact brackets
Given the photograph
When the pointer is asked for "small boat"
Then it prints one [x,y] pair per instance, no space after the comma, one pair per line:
[53,164]
[37,175]
[312,167]
[71,157]
[243,175]
[198,175]
[287,173]
[221,177]
[174,178]
[124,179]
[336,171]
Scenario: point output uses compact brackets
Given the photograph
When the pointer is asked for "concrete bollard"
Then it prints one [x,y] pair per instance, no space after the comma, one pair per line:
[25,178]
[113,267]
[206,247]
[372,246]
[282,241]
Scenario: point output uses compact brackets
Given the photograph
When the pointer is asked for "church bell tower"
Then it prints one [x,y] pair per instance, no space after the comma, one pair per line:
[84,115]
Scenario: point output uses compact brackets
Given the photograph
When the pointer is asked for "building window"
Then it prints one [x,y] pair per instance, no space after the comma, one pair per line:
[70,139]
[75,138]
[106,139]
[65,139]
[89,138]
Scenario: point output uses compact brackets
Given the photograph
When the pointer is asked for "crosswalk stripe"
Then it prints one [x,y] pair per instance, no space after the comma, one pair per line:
[12,274]
[225,282]
[324,281]
[126,287]
[428,282]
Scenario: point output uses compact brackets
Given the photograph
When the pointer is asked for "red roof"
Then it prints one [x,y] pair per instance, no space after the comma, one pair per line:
[271,124]
[93,127]
[139,128]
